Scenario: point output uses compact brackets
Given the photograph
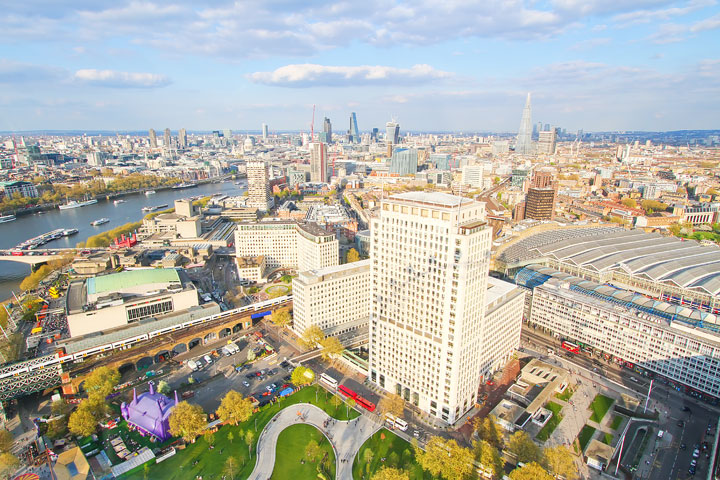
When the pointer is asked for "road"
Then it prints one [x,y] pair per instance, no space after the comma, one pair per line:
[668,460]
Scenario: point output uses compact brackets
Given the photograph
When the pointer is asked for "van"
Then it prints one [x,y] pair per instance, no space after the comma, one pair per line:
[227,351]
[194,366]
[208,360]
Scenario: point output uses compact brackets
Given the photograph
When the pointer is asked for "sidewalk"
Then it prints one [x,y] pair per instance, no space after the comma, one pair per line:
[346,438]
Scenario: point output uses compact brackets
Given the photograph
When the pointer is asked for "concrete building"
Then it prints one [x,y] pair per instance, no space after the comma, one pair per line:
[547,142]
[287,245]
[251,269]
[473,175]
[679,349]
[336,299]
[430,257]
[318,162]
[259,193]
[25,189]
[119,299]
[504,308]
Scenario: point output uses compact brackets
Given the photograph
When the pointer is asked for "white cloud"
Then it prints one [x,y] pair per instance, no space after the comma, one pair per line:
[115,79]
[648,15]
[310,75]
[12,72]
[712,23]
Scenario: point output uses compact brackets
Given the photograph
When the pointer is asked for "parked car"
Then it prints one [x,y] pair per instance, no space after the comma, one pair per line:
[696,453]
[245,382]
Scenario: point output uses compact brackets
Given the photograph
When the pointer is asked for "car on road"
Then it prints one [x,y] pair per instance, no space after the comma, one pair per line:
[245,382]
[416,434]
[250,376]
[273,386]
[685,409]
[696,453]
[269,388]
[680,423]
[693,463]
[683,446]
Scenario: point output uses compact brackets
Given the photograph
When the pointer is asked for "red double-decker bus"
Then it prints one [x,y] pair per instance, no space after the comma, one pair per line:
[347,392]
[366,404]
[570,347]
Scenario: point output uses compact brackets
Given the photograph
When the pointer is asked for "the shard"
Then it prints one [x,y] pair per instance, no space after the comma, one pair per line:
[524,145]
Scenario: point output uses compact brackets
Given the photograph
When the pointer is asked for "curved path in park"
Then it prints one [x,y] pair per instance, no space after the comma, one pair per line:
[346,438]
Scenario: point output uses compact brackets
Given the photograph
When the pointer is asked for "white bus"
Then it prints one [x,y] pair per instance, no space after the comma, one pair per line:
[395,422]
[328,380]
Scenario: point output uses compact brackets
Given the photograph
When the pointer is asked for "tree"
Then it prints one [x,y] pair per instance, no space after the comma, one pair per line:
[187,421]
[146,471]
[302,376]
[336,401]
[230,437]
[524,448]
[349,403]
[368,456]
[163,387]
[57,428]
[488,429]
[352,256]
[231,465]
[331,348]
[651,206]
[209,438]
[312,450]
[530,471]
[281,317]
[393,404]
[8,464]
[82,422]
[489,457]
[6,440]
[629,202]
[234,408]
[249,438]
[445,458]
[386,473]
[560,462]
[60,407]
[311,337]
[101,383]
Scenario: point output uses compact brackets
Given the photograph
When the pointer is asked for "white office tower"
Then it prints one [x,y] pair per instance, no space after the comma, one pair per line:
[259,194]
[430,258]
[473,175]
[318,162]
[336,299]
[264,131]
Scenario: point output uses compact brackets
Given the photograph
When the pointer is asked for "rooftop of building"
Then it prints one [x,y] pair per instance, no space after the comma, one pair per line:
[130,279]
[438,199]
[337,270]
[248,262]
[498,289]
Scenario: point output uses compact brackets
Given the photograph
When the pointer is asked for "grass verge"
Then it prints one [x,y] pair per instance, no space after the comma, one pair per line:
[600,406]
[552,424]
[616,421]
[395,451]
[292,462]
[566,394]
[585,436]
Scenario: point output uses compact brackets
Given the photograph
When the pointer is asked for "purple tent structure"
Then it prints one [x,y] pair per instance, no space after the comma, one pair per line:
[150,413]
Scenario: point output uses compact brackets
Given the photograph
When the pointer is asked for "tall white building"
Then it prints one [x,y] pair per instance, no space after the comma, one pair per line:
[473,175]
[318,162]
[336,299]
[259,194]
[430,259]
[287,244]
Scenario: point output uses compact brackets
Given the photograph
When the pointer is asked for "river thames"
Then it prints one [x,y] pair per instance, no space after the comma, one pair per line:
[28,226]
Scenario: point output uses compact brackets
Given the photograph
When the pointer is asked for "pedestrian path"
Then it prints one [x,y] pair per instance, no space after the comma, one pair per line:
[346,437]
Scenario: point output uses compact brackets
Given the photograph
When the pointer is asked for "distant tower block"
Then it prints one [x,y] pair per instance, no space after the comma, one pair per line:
[524,145]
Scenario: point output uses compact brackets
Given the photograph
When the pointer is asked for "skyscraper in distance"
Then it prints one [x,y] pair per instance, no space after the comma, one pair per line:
[153,138]
[318,162]
[264,131]
[430,260]
[524,145]
[167,138]
[392,135]
[182,138]
[327,130]
[354,132]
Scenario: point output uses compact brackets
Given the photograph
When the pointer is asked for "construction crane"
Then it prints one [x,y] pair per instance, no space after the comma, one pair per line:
[312,127]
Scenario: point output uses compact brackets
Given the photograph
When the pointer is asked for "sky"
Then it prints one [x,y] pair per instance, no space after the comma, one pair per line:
[463,66]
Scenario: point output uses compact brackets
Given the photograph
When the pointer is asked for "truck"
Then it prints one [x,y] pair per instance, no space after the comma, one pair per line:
[230,349]
[194,365]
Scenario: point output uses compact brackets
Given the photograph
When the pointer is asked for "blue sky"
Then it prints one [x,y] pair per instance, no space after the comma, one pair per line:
[432,65]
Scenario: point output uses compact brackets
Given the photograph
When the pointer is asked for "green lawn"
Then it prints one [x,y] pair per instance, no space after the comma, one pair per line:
[599,406]
[585,436]
[616,421]
[607,438]
[211,462]
[566,394]
[291,462]
[552,424]
[396,452]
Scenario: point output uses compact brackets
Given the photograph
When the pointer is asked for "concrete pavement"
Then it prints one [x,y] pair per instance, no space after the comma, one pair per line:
[346,437]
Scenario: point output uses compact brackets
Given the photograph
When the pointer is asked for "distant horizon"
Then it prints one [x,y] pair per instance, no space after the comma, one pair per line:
[159,131]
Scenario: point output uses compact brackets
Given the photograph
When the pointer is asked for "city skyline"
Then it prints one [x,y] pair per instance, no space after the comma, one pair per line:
[646,65]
